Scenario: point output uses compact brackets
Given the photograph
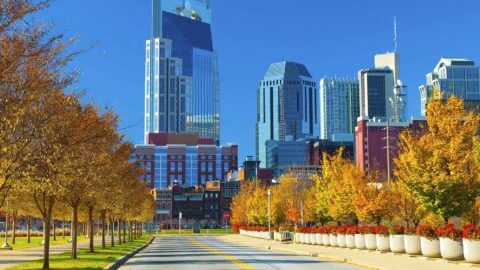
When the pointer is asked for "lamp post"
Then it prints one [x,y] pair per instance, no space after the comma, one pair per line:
[269,193]
[6,245]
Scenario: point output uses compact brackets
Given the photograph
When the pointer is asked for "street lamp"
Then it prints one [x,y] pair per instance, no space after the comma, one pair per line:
[6,245]
[269,193]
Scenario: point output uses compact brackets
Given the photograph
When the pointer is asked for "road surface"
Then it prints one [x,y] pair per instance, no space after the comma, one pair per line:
[210,252]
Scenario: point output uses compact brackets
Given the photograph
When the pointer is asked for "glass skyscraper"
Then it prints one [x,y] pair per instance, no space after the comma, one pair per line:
[453,76]
[339,107]
[376,91]
[287,106]
[181,77]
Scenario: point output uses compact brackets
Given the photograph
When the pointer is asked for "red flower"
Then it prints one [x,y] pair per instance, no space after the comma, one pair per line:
[397,230]
[471,232]
[427,231]
[382,230]
[411,231]
[351,230]
[449,231]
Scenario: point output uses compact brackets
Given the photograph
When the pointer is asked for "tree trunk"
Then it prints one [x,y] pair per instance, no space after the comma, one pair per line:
[27,221]
[124,230]
[47,217]
[90,228]
[130,231]
[119,228]
[74,232]
[14,230]
[63,228]
[54,230]
[112,233]
[84,231]
[103,229]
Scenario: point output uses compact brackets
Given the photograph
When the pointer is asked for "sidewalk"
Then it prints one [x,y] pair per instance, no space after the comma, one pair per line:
[12,257]
[363,258]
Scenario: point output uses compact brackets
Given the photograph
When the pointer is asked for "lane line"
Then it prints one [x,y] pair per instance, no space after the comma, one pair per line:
[235,260]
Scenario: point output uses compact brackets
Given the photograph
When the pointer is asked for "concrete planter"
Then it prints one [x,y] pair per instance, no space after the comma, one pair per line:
[342,240]
[412,244]
[350,239]
[471,250]
[326,239]
[397,243]
[318,239]
[333,240]
[371,241]
[306,238]
[430,247]
[383,243]
[360,241]
[451,249]
[299,238]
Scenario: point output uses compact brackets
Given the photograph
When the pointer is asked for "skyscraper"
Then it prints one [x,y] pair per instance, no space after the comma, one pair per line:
[453,76]
[339,107]
[287,106]
[181,77]
[376,90]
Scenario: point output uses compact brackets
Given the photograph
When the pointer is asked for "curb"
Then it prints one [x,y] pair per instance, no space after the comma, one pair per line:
[125,258]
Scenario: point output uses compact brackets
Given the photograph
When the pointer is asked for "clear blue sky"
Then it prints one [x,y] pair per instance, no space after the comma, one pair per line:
[329,37]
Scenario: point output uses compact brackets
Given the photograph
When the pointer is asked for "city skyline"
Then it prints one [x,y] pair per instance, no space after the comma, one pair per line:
[239,83]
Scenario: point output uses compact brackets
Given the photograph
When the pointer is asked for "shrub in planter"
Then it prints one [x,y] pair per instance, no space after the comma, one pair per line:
[360,237]
[451,247]
[350,236]
[397,244]
[412,242]
[471,243]
[383,240]
[341,237]
[325,237]
[429,242]
[333,236]
[370,238]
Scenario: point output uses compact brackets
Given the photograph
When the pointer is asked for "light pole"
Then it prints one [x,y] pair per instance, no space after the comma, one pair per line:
[179,222]
[269,193]
[6,245]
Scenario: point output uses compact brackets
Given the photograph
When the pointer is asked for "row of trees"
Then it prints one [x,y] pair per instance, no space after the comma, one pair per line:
[58,154]
[437,178]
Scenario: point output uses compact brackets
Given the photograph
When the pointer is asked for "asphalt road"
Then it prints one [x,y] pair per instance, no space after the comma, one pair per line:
[209,252]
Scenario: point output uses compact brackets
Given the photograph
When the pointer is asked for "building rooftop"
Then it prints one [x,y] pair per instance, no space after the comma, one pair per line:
[287,69]
[451,61]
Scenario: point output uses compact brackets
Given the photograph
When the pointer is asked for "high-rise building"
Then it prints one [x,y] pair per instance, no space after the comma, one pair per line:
[181,77]
[376,91]
[287,106]
[339,107]
[390,60]
[453,76]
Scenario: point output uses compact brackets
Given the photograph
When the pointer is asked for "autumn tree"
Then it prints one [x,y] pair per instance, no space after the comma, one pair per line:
[440,166]
[372,199]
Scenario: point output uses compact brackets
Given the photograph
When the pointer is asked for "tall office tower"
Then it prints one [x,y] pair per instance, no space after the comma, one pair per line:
[376,90]
[391,61]
[339,108]
[287,106]
[453,76]
[181,77]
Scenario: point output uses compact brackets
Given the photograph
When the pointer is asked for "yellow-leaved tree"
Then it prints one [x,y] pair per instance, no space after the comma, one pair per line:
[440,165]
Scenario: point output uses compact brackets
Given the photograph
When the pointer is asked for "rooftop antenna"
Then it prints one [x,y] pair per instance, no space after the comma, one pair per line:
[395,32]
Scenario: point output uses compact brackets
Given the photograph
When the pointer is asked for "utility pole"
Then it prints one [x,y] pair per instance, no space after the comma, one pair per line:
[388,153]
[269,193]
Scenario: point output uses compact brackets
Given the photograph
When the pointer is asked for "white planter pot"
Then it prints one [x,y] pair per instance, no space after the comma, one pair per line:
[299,238]
[412,244]
[350,239]
[306,238]
[342,240]
[383,243]
[318,239]
[451,249]
[312,239]
[397,243]
[333,240]
[430,247]
[326,239]
[371,241]
[471,250]
[360,241]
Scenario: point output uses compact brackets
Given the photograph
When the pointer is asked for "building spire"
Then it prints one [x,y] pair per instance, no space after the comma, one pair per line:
[395,40]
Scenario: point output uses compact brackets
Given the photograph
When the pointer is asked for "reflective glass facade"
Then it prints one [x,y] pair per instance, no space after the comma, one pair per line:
[284,154]
[339,106]
[287,106]
[453,76]
[376,90]
[182,36]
